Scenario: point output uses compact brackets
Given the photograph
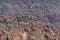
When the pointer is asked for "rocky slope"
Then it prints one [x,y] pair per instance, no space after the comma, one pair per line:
[21,29]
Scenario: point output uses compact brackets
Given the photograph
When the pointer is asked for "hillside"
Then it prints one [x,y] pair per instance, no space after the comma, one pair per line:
[11,29]
[44,10]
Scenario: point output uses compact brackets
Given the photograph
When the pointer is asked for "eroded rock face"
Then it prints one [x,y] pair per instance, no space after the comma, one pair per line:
[35,30]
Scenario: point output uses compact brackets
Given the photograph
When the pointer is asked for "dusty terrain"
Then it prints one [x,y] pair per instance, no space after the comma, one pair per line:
[26,27]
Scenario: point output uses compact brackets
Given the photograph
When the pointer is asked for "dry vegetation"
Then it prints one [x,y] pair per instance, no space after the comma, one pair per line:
[25,27]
